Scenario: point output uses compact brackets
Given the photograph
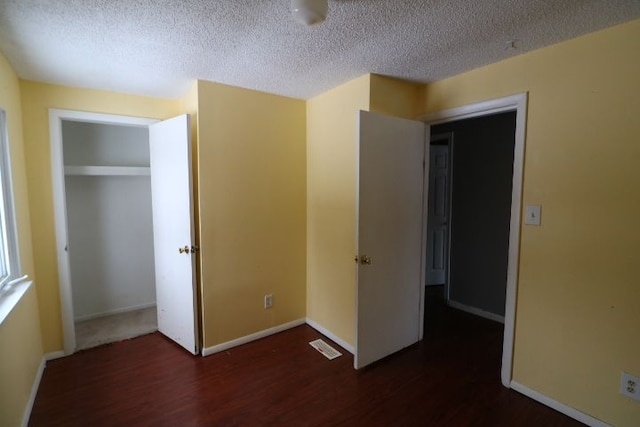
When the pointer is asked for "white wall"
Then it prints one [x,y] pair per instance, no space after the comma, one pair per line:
[105,145]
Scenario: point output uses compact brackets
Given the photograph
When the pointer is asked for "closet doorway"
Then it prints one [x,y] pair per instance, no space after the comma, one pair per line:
[110,231]
[118,184]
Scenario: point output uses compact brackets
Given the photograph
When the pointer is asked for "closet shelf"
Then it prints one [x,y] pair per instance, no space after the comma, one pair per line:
[107,170]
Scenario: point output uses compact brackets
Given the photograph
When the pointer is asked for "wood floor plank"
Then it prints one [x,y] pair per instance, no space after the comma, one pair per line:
[451,378]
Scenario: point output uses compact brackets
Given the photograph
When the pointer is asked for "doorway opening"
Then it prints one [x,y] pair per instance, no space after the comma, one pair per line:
[103,196]
[516,106]
[120,186]
[469,214]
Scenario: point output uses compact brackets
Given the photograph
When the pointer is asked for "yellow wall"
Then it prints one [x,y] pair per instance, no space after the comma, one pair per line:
[37,98]
[21,354]
[332,146]
[189,104]
[20,339]
[394,97]
[251,154]
[578,290]
[577,311]
[332,129]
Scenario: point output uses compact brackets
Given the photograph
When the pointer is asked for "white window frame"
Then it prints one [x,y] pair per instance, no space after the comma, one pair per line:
[12,283]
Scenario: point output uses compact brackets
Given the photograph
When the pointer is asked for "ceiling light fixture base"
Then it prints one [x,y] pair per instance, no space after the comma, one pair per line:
[309,12]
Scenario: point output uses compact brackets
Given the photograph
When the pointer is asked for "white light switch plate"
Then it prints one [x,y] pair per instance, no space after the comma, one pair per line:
[533,215]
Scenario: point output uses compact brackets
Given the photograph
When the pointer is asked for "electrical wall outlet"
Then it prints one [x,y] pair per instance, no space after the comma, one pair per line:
[268,301]
[630,386]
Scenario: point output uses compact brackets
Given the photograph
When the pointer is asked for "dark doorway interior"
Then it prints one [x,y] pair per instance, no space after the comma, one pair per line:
[482,173]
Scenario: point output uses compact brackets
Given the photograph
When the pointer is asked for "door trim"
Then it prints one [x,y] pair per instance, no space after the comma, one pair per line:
[56,116]
[517,103]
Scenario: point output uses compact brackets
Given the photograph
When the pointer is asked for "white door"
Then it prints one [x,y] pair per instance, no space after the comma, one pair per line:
[438,217]
[171,190]
[390,236]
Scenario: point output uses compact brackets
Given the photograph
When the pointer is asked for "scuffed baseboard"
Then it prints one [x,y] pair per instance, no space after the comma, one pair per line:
[265,333]
[54,355]
[252,337]
[560,407]
[34,392]
[116,311]
[476,311]
[324,331]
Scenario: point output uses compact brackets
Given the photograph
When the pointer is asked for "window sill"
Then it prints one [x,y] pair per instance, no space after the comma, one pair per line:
[11,296]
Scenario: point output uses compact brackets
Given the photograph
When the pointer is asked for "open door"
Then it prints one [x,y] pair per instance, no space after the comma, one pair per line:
[390,236]
[173,231]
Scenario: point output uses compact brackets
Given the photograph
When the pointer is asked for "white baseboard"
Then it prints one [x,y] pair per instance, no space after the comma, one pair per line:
[476,311]
[34,392]
[36,384]
[116,311]
[560,407]
[252,337]
[324,331]
[54,355]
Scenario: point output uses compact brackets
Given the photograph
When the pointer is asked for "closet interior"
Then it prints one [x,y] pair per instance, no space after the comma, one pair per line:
[110,231]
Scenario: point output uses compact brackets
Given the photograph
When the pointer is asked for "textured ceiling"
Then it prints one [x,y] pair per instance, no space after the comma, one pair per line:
[157,47]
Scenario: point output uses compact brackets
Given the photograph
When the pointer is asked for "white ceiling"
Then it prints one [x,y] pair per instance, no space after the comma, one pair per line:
[157,47]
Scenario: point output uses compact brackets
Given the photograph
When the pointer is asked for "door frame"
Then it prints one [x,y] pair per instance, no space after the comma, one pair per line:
[517,103]
[56,116]
[426,164]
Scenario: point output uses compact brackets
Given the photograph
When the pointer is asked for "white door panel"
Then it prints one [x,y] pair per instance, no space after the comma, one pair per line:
[171,192]
[390,234]
[438,219]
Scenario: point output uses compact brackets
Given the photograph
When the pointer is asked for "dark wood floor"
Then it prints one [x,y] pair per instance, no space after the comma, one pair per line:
[449,379]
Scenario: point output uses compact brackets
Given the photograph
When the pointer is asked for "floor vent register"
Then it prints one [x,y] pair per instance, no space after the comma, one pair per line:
[324,348]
